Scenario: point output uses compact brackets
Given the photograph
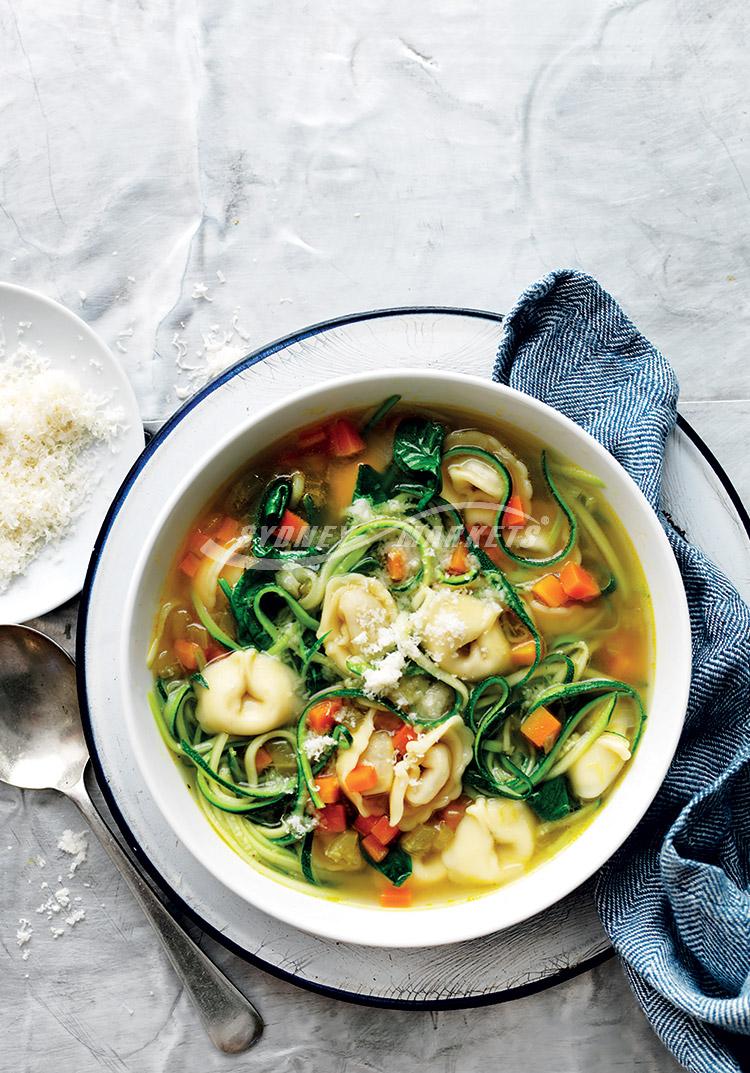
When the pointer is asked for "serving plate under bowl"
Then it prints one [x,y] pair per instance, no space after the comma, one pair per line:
[426,338]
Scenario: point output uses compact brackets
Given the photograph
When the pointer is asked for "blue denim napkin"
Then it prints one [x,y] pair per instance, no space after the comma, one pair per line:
[675,899]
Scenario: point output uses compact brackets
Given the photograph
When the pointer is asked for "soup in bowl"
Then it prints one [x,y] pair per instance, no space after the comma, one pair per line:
[405,654]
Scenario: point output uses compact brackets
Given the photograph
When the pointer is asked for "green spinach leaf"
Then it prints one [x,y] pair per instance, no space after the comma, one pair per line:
[370,485]
[241,597]
[273,503]
[415,469]
[418,450]
[396,866]
[552,800]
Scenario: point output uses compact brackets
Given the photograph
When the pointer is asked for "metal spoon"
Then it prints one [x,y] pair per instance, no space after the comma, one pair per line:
[42,747]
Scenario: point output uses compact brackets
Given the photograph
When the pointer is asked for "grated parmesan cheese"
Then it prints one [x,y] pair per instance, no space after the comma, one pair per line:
[48,424]
[301,825]
[316,744]
[385,674]
[76,845]
[24,933]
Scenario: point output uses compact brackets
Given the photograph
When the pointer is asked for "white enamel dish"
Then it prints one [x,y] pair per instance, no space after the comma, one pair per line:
[58,572]
[147,522]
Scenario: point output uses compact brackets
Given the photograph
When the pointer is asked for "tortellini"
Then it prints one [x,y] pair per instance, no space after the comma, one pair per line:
[357,614]
[492,844]
[470,480]
[248,693]
[369,746]
[429,775]
[463,634]
[425,779]
[572,618]
[597,768]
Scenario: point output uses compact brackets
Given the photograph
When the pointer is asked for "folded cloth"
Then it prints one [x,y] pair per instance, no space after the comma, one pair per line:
[675,900]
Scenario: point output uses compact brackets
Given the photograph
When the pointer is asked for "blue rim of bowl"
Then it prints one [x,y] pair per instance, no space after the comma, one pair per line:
[174,902]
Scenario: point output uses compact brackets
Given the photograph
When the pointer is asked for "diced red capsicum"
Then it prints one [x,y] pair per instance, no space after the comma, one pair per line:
[332,818]
[402,737]
[364,824]
[292,527]
[344,439]
[383,831]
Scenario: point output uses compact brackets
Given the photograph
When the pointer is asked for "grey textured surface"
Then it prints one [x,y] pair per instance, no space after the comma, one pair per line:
[326,159]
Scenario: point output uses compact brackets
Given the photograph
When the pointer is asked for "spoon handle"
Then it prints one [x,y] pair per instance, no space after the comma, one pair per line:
[232,1022]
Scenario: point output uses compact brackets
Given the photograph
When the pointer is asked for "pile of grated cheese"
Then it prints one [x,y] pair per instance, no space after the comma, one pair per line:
[48,425]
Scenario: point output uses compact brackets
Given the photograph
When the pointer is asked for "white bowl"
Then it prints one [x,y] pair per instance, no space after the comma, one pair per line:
[552,879]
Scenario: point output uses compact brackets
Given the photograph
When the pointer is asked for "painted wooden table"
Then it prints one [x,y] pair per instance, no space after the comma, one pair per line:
[198,179]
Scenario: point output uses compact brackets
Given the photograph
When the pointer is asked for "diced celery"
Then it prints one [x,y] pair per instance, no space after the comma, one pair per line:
[420,840]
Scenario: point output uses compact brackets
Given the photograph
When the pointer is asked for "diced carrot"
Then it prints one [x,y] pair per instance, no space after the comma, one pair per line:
[364,824]
[549,590]
[513,515]
[383,831]
[344,439]
[292,527]
[228,530]
[620,663]
[187,653]
[524,654]
[387,721]
[263,759]
[374,848]
[396,897]
[402,737]
[395,562]
[197,541]
[190,564]
[459,560]
[453,813]
[361,778]
[329,789]
[332,818]
[321,717]
[578,583]
[541,728]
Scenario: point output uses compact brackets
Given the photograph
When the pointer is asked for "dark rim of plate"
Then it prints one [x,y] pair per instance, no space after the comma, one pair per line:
[173,900]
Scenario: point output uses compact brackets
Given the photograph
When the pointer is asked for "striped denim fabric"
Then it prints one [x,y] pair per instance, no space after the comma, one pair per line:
[675,899]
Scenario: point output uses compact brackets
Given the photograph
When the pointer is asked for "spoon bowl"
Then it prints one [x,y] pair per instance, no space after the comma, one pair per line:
[41,737]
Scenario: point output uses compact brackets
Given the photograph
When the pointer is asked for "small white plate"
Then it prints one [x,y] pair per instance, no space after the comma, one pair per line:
[58,572]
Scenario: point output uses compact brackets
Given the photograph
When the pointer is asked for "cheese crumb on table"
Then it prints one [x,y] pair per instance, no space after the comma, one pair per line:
[23,934]
[76,845]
